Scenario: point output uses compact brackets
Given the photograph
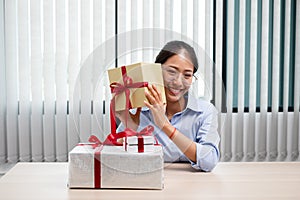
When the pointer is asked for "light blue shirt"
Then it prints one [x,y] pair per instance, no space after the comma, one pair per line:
[199,122]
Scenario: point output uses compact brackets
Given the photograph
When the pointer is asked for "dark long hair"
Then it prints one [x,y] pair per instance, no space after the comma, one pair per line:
[175,48]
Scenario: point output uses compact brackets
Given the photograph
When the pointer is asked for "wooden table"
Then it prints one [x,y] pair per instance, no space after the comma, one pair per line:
[229,180]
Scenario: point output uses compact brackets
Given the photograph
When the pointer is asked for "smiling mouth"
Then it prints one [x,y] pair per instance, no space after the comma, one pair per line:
[174,91]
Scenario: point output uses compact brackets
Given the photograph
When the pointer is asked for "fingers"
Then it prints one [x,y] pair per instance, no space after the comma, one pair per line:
[147,104]
[153,95]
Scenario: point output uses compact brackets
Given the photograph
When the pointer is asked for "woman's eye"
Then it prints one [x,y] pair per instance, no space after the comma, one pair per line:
[172,72]
[187,76]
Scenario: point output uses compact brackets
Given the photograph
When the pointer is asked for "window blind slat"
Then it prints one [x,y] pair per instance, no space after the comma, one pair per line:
[286,62]
[49,81]
[137,38]
[96,63]
[208,65]
[85,71]
[241,77]
[133,26]
[192,31]
[73,70]
[127,29]
[262,137]
[283,136]
[230,55]
[11,84]
[253,56]
[61,82]
[264,57]
[250,126]
[97,23]
[157,24]
[11,77]
[196,20]
[296,126]
[36,81]
[190,26]
[147,53]
[183,17]
[241,57]
[297,61]
[3,154]
[273,137]
[123,15]
[109,54]
[168,7]
[24,82]
[276,55]
[229,84]
[219,86]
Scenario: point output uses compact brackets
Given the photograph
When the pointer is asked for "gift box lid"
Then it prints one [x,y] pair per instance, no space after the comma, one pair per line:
[133,140]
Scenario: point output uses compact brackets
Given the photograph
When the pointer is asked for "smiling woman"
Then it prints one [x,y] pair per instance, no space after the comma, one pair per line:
[185,126]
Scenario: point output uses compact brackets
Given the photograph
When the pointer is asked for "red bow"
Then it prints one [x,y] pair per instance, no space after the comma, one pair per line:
[112,139]
[118,88]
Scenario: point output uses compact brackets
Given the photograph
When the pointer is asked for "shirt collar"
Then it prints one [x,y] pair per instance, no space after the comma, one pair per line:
[194,103]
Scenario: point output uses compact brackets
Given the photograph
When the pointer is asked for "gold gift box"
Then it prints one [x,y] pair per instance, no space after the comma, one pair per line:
[139,72]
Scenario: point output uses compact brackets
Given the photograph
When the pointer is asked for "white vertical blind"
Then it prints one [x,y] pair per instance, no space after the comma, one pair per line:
[239,134]
[2,88]
[11,73]
[97,40]
[229,80]
[123,18]
[250,126]
[208,78]
[85,73]
[46,100]
[262,79]
[147,22]
[73,70]
[282,146]
[273,136]
[24,82]
[262,135]
[54,90]
[61,81]
[219,86]
[296,125]
[36,80]
[110,52]
[49,81]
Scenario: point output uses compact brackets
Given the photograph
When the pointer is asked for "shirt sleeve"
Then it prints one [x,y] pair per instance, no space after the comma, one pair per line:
[207,141]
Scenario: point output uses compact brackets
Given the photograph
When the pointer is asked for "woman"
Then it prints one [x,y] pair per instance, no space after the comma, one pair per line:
[185,126]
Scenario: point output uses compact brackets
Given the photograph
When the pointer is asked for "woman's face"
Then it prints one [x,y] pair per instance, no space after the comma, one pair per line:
[178,75]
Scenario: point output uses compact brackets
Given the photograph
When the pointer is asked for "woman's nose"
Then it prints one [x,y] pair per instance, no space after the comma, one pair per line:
[178,80]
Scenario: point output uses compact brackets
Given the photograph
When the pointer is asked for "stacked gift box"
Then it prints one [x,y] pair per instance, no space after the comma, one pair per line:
[137,162]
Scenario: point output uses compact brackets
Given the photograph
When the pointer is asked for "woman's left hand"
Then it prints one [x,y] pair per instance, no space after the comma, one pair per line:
[157,106]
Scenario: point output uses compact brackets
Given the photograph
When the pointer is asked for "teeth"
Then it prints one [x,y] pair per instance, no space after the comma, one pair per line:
[174,91]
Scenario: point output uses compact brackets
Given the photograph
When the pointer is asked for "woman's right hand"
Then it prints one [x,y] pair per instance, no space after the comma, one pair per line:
[133,120]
